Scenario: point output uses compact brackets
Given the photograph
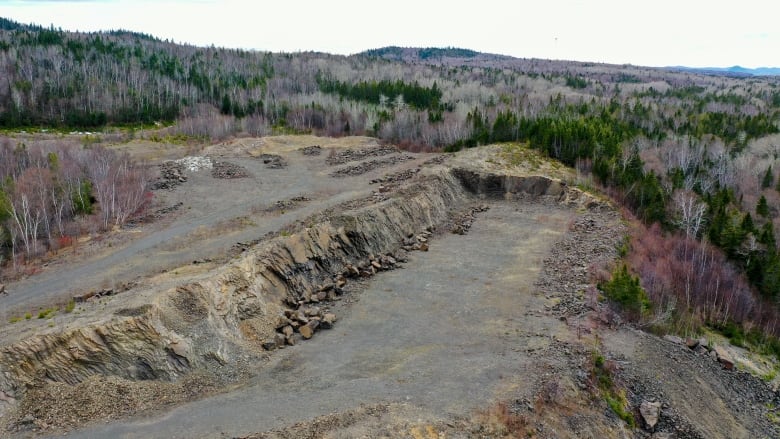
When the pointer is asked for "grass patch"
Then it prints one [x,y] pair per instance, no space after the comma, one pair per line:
[70,306]
[47,313]
[603,377]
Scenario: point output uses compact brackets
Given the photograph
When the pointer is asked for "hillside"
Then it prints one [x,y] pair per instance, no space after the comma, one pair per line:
[295,167]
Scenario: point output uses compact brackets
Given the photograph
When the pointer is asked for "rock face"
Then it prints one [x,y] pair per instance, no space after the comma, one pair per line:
[510,186]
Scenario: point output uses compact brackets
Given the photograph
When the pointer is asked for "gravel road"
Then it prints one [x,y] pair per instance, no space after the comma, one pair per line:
[200,228]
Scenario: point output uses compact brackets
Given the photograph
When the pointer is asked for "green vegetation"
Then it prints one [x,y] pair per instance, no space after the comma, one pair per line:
[47,313]
[625,290]
[754,339]
[385,92]
[615,398]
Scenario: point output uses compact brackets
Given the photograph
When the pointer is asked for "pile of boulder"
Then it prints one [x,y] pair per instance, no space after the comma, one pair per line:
[353,155]
[439,159]
[171,176]
[396,177]
[228,170]
[370,165]
[463,222]
[700,346]
[312,150]
[195,163]
[418,242]
[273,161]
[292,203]
[299,324]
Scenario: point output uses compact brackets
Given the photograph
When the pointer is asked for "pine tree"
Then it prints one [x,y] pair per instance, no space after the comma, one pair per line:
[762,208]
[768,178]
[747,224]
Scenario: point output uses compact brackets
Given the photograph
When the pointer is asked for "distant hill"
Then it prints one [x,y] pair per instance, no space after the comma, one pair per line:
[408,54]
[732,71]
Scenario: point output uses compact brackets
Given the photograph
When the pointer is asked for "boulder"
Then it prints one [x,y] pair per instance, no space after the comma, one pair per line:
[650,412]
[313,311]
[293,339]
[269,344]
[306,331]
[282,322]
[724,357]
[674,339]
[327,321]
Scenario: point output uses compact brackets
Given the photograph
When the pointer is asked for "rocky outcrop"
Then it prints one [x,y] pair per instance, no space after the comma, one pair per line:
[512,186]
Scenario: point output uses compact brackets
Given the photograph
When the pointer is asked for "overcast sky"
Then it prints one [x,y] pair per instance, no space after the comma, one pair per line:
[697,33]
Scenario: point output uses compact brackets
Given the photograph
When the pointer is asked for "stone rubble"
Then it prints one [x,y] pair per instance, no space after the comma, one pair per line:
[195,163]
[227,170]
[273,161]
[463,222]
[396,177]
[311,150]
[370,165]
[171,176]
[353,155]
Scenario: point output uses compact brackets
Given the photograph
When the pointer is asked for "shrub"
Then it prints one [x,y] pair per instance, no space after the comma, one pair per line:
[625,290]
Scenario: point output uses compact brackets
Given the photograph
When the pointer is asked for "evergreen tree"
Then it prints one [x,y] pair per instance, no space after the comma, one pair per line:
[768,178]
[762,208]
[747,224]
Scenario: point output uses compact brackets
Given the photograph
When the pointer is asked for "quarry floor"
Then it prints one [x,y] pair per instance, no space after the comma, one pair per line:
[447,334]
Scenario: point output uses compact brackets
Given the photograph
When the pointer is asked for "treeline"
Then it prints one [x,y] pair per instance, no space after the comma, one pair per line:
[75,80]
[385,92]
[44,192]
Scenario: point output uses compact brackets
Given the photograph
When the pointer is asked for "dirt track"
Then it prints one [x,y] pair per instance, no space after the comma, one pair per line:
[214,215]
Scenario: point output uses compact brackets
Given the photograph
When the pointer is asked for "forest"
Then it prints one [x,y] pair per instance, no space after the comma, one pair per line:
[692,157]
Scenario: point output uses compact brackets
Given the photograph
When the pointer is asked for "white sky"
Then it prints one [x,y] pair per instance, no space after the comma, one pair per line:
[698,33]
